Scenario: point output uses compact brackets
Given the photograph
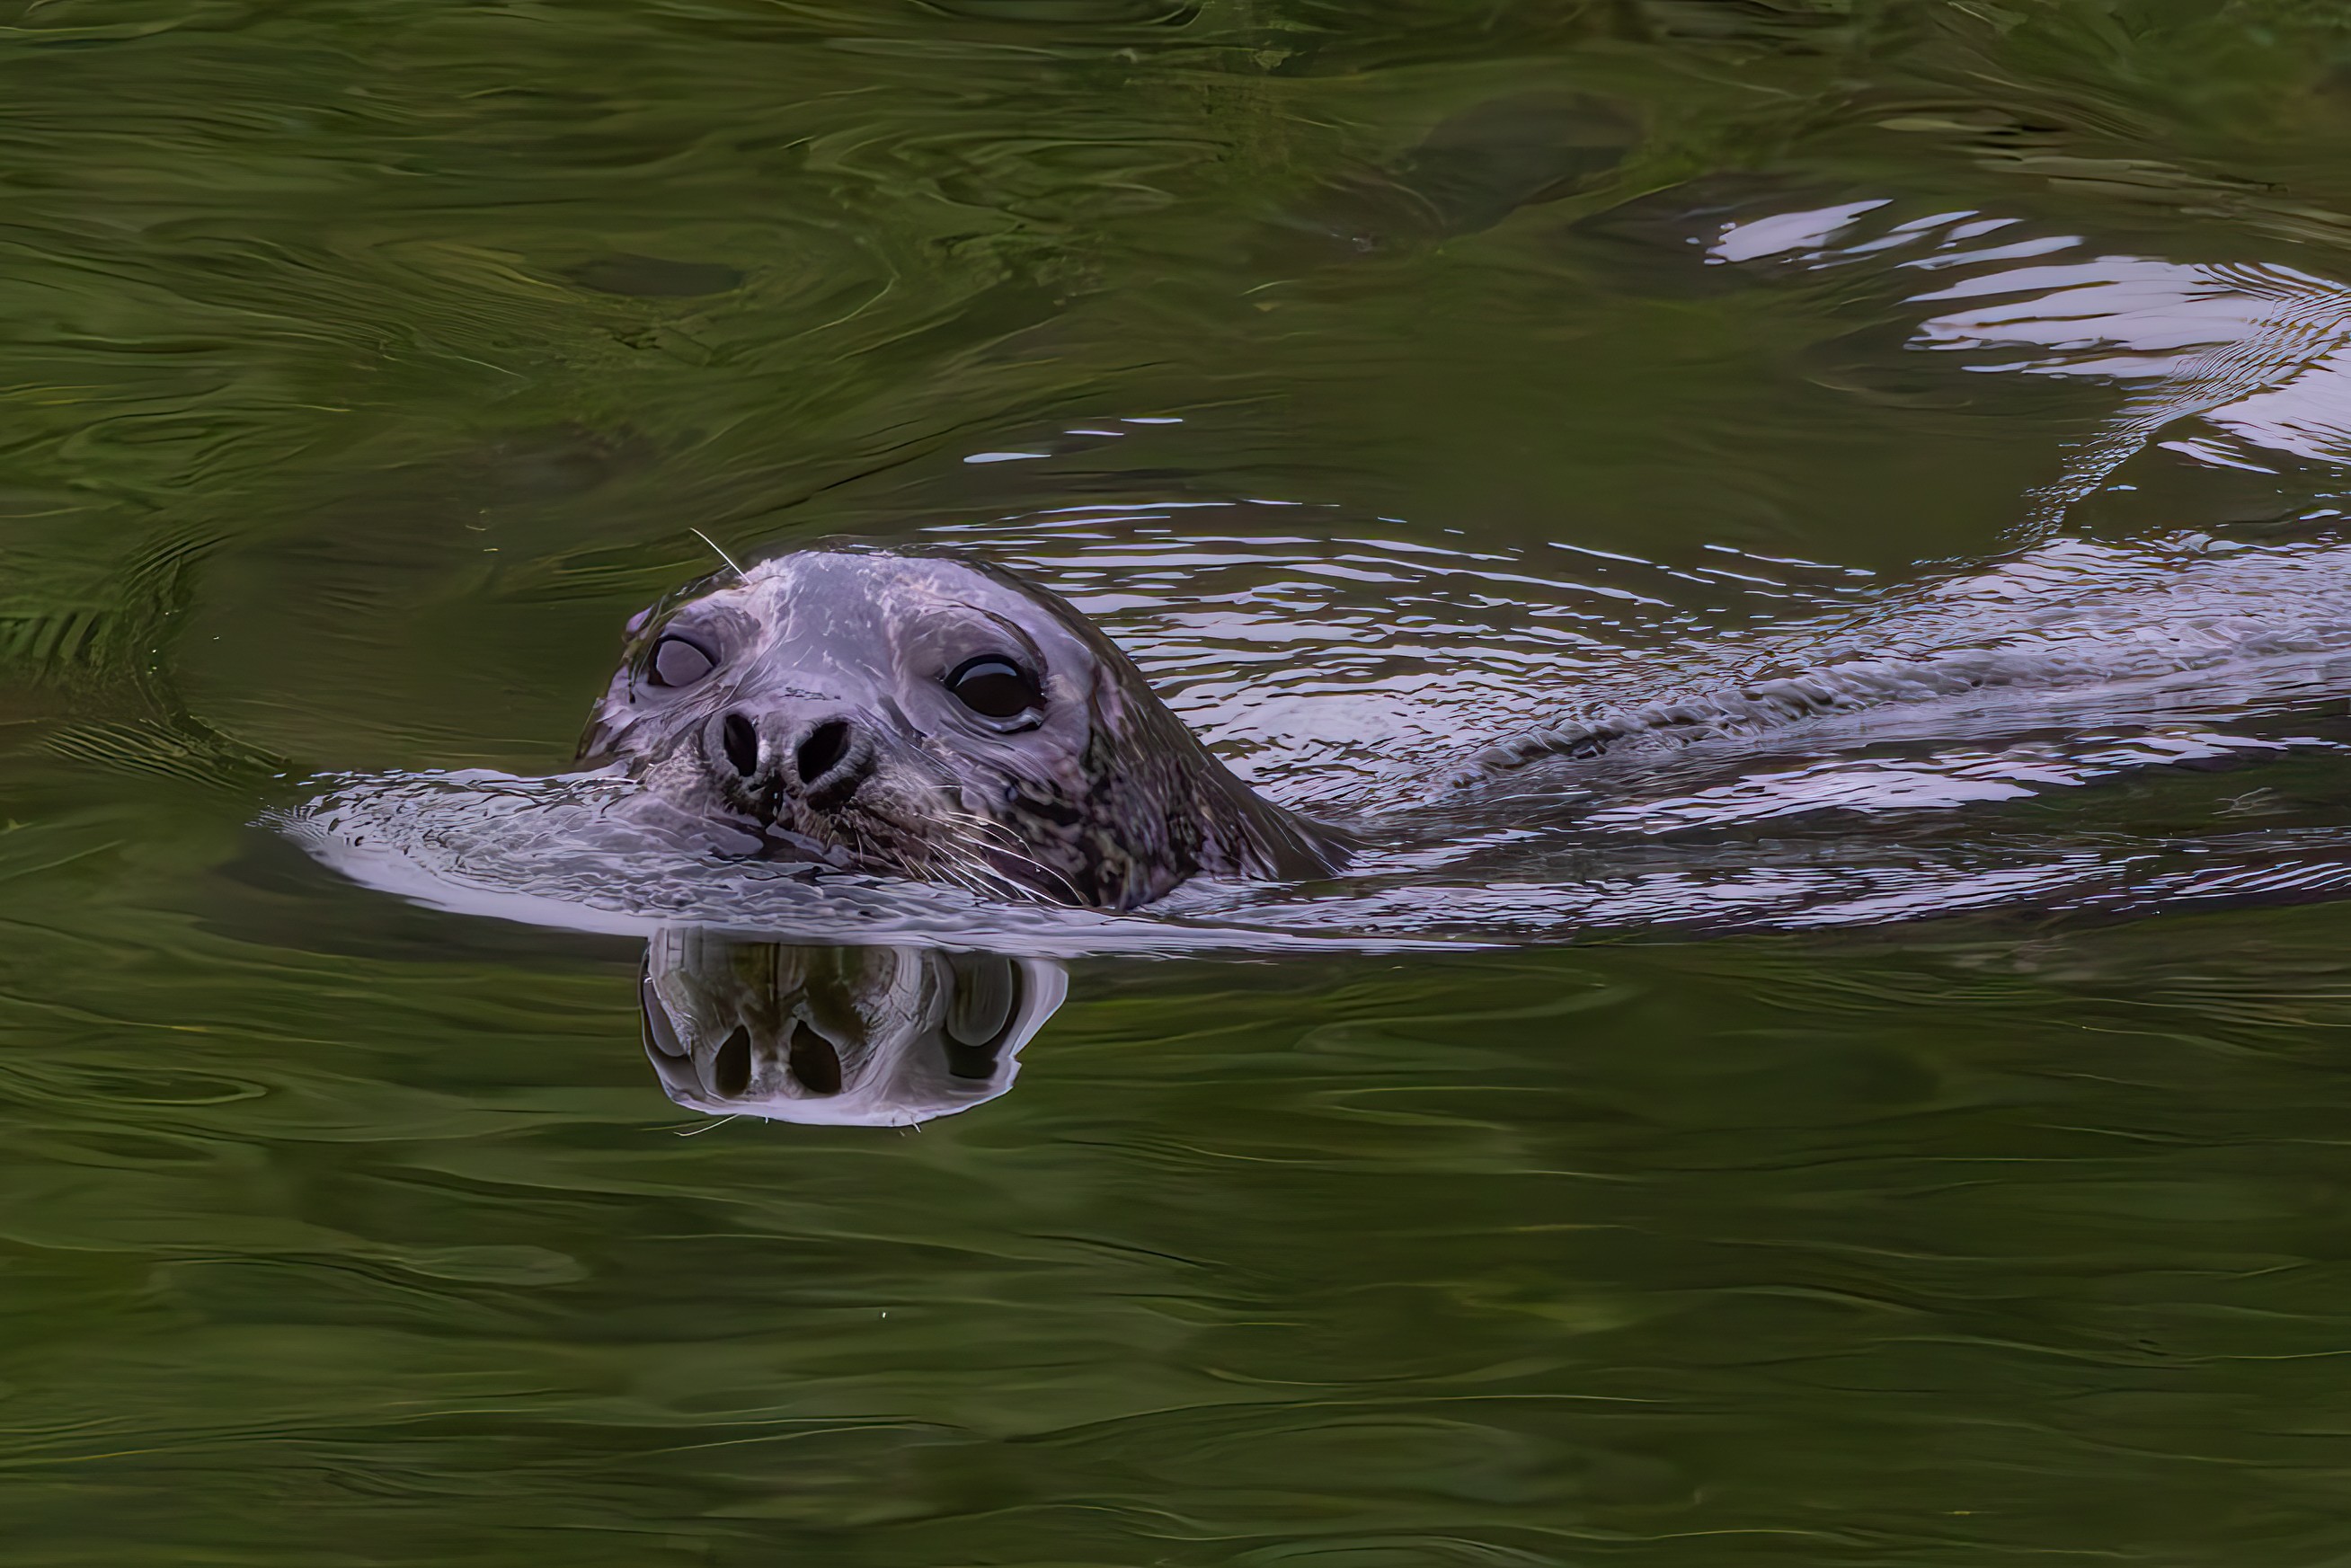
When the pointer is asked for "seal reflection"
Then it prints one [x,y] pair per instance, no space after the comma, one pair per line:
[875,1037]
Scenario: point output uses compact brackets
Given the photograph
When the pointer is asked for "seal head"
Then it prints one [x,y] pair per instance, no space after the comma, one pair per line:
[930,717]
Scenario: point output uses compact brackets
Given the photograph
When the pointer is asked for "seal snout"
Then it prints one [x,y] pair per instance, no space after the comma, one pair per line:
[821,761]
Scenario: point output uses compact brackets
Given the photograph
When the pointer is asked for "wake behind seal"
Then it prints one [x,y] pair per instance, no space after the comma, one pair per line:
[928,718]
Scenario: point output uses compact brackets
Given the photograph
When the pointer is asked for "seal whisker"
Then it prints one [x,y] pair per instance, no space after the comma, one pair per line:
[977,874]
[976,858]
[944,861]
[956,852]
[996,839]
[719,550]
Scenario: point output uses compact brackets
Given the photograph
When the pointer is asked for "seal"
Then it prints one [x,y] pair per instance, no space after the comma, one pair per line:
[930,718]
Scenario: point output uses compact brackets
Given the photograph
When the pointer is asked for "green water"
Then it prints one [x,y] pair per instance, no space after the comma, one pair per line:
[363,366]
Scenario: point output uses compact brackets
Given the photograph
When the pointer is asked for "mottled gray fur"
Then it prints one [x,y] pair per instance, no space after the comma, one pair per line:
[1101,797]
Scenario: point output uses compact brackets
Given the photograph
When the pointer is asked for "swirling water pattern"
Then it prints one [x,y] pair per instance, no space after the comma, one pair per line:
[1909,1134]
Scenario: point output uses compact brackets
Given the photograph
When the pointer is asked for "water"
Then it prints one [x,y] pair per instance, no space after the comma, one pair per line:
[1909,1135]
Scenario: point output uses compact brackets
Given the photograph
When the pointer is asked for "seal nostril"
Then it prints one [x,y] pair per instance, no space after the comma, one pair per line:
[821,752]
[742,744]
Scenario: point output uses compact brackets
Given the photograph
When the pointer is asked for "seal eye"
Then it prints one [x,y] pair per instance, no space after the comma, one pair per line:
[678,663]
[993,686]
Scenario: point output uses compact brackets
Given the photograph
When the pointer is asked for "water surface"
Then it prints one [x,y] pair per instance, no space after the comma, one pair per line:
[1572,1189]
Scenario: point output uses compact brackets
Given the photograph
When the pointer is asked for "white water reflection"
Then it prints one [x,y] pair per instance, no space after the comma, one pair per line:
[1351,674]
[1943,781]
[2258,351]
[2069,666]
[1508,886]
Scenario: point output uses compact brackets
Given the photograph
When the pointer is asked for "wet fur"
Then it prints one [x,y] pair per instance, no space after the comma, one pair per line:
[1110,801]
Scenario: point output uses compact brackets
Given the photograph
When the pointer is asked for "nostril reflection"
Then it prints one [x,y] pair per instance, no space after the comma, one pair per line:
[813,1059]
[742,744]
[730,1069]
[822,750]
